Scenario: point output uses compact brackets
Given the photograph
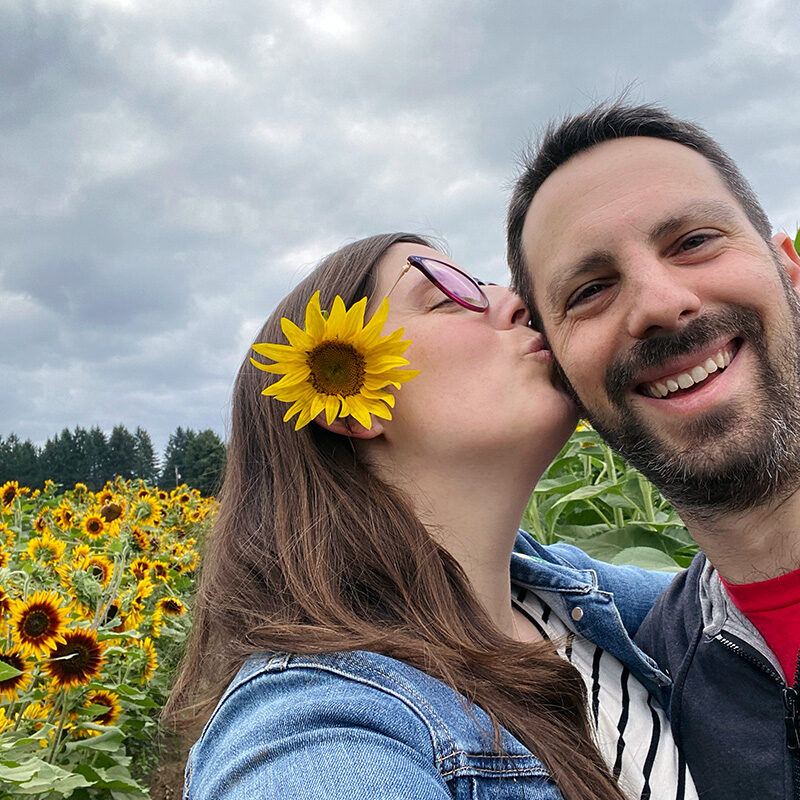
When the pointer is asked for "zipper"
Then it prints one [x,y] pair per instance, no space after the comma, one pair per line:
[791,702]
[793,712]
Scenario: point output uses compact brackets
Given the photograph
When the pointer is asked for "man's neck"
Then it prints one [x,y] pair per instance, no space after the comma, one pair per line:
[754,545]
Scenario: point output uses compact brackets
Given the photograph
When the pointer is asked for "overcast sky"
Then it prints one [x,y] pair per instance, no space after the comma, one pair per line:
[170,168]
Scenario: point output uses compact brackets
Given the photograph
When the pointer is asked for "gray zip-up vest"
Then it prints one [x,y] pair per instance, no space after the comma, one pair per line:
[732,711]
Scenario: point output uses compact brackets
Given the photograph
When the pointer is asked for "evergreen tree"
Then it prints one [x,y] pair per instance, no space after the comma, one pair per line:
[19,461]
[99,460]
[173,471]
[122,452]
[205,462]
[145,466]
[57,457]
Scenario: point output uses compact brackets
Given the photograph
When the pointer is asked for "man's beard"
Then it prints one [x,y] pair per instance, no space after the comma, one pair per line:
[736,460]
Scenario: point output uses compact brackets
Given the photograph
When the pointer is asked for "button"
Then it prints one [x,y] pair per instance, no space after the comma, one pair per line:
[577,613]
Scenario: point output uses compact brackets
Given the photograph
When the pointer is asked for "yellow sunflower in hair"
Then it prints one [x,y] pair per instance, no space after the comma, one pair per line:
[337,364]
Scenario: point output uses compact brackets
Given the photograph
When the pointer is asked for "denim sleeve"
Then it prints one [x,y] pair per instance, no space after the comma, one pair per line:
[305,734]
[634,589]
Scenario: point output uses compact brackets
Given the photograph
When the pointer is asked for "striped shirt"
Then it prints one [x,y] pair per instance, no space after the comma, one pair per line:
[631,730]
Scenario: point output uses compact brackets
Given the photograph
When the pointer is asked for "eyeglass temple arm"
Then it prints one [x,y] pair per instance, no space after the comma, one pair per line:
[405,269]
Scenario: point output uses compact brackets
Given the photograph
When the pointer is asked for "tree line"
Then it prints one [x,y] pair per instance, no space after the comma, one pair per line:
[196,458]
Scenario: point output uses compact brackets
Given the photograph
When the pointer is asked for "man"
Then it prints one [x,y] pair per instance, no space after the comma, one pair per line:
[674,317]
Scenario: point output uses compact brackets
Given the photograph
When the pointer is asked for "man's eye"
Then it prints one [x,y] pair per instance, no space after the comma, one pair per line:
[695,240]
[443,302]
[585,293]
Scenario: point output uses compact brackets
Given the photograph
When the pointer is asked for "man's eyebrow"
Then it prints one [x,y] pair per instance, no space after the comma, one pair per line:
[709,210]
[590,263]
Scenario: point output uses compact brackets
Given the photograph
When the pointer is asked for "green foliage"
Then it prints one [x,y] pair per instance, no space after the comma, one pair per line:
[591,498]
[91,457]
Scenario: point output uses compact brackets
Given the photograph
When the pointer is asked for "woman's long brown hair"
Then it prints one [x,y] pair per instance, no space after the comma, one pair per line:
[313,553]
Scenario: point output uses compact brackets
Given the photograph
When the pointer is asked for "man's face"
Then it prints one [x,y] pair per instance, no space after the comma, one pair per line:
[676,325]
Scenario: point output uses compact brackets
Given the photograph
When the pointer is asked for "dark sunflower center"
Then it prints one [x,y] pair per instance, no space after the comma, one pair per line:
[336,368]
[36,623]
[77,657]
[171,607]
[111,511]
[97,572]
[9,495]
[94,526]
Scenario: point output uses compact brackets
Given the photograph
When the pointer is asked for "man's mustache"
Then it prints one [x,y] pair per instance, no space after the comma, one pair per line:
[646,354]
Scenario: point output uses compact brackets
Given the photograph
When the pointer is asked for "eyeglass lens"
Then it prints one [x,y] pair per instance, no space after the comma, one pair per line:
[454,281]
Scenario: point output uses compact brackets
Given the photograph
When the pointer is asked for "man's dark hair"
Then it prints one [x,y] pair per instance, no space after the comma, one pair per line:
[607,121]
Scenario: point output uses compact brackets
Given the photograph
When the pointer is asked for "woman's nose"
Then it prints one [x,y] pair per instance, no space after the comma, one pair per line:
[506,308]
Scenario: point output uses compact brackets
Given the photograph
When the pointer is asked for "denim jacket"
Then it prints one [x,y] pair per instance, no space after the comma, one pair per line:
[362,726]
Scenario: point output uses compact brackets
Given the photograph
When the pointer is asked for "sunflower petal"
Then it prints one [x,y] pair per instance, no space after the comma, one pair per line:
[336,318]
[375,325]
[360,413]
[332,407]
[354,320]
[298,338]
[315,322]
[277,352]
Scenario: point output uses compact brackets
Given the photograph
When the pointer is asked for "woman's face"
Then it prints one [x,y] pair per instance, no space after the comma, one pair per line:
[485,378]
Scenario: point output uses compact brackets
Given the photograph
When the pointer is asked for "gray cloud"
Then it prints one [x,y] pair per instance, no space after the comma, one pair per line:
[168,171]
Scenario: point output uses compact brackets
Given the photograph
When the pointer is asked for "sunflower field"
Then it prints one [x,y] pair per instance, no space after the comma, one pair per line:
[94,590]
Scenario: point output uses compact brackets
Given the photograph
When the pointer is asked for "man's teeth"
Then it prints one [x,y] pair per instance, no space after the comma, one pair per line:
[684,380]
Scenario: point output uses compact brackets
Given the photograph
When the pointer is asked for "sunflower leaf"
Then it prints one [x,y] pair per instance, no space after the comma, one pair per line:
[7,671]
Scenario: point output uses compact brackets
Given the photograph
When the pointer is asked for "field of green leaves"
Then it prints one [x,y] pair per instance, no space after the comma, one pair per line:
[590,498]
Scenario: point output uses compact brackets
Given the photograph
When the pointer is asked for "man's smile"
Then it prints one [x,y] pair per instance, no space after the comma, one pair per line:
[694,390]
[682,375]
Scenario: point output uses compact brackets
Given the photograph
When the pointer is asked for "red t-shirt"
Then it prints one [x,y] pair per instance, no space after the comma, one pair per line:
[773,606]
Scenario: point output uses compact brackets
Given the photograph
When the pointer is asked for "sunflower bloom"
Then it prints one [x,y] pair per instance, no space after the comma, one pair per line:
[38,623]
[45,548]
[110,701]
[76,660]
[64,516]
[94,526]
[171,606]
[150,658]
[337,365]
[147,512]
[99,567]
[139,568]
[10,491]
[11,687]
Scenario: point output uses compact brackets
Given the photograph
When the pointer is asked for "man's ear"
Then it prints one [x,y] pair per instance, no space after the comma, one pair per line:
[788,256]
[349,426]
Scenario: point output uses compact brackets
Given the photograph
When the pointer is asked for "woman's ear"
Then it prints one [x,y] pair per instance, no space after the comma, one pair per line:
[788,256]
[349,426]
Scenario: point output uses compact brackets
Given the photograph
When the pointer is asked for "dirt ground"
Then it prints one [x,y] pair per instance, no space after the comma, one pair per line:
[166,781]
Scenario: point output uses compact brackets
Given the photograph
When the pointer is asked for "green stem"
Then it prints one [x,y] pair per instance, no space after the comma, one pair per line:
[647,494]
[533,516]
[56,739]
[599,512]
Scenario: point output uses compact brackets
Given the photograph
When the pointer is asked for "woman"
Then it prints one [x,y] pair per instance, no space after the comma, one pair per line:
[355,596]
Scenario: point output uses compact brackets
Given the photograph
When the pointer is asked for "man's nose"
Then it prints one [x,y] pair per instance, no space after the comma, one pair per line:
[506,308]
[661,299]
